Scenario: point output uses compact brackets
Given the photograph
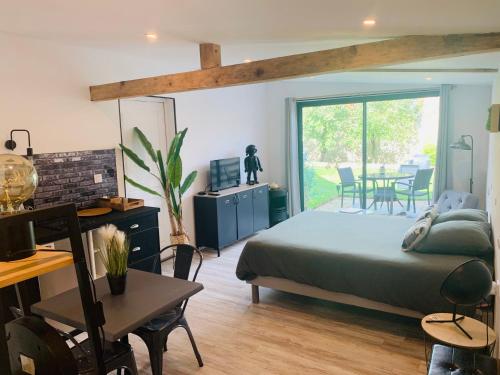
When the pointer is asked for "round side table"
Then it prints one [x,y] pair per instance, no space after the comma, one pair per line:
[448,333]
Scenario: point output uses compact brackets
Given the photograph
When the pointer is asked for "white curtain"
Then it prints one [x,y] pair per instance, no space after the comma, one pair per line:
[441,172]
[292,157]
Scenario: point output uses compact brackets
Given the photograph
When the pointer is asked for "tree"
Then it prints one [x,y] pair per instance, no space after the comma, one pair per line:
[392,129]
[333,133]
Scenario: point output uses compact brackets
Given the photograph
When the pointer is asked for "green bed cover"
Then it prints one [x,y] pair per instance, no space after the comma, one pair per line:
[354,254]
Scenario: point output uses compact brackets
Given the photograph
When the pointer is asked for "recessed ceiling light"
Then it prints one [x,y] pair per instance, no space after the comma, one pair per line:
[151,36]
[428,78]
[369,22]
[247,60]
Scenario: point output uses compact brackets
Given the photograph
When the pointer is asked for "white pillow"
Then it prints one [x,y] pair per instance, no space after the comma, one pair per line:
[416,233]
[431,212]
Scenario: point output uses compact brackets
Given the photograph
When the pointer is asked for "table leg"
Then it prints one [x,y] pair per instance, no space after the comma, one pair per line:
[124,340]
[28,293]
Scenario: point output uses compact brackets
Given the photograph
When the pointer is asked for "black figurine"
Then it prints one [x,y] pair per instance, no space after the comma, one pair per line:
[252,164]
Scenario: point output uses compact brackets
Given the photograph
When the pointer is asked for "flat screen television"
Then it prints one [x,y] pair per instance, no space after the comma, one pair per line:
[224,173]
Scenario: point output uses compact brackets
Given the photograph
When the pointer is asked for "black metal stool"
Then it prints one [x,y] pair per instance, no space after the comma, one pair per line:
[446,360]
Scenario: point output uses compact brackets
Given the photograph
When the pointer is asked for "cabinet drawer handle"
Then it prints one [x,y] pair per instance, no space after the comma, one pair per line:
[244,196]
[227,201]
[138,248]
[134,226]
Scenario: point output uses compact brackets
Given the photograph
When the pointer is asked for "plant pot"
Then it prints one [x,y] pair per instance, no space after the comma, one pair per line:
[117,284]
[179,239]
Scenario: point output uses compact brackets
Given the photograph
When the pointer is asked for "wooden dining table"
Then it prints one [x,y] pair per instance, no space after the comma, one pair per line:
[146,296]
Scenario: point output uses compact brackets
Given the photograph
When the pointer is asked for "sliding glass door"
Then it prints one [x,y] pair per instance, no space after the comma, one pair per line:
[331,136]
[350,148]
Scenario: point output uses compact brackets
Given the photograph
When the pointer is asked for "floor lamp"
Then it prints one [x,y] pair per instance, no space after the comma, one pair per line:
[461,144]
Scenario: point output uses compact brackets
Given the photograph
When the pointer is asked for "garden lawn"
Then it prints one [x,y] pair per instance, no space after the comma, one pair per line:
[320,186]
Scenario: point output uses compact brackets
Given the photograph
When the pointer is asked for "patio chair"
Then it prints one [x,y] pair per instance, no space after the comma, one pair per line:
[417,187]
[409,169]
[348,184]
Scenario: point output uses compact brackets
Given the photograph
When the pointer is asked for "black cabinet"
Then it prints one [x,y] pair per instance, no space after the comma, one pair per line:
[235,214]
[143,233]
[225,217]
[244,212]
[260,208]
[278,206]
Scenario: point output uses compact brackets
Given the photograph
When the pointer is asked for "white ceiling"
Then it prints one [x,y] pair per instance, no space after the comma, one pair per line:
[253,28]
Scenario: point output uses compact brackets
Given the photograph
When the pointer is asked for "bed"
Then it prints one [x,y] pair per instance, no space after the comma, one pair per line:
[347,258]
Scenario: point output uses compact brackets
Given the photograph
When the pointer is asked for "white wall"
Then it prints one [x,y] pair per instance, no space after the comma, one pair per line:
[468,107]
[45,89]
[221,123]
[493,201]
[468,115]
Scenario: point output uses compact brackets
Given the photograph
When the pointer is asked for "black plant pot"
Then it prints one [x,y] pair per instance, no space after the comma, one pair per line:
[117,284]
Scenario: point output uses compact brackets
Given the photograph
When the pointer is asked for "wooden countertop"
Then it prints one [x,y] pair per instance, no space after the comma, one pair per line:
[42,262]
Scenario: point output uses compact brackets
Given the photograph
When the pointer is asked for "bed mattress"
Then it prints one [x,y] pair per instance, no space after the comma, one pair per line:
[354,254]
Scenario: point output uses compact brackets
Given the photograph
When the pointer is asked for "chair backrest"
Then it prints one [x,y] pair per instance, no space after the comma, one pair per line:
[346,176]
[182,265]
[184,259]
[406,169]
[66,217]
[422,179]
[184,254]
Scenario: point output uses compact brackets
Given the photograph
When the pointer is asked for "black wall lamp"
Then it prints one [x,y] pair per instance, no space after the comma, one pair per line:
[11,144]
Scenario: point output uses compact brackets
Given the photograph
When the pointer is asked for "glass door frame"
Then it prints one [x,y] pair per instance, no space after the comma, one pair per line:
[363,99]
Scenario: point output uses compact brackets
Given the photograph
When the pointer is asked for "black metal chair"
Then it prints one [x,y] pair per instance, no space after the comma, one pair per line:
[90,355]
[418,187]
[155,333]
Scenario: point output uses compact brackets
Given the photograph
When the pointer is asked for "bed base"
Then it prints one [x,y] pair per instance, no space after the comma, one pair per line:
[315,292]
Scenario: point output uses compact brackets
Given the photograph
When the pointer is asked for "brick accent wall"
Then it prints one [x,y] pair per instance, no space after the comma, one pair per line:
[69,177]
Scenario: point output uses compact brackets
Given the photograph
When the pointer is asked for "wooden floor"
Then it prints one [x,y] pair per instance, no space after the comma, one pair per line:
[284,334]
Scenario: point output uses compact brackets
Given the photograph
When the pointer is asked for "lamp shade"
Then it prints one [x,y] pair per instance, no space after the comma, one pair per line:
[461,144]
[468,284]
[18,181]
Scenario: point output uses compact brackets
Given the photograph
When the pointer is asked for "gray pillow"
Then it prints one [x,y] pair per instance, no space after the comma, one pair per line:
[469,214]
[461,237]
[416,233]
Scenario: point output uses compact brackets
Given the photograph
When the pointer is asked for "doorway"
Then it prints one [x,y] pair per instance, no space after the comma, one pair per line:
[155,116]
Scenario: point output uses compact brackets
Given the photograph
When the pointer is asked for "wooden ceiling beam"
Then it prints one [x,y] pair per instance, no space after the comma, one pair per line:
[431,70]
[363,56]
[210,56]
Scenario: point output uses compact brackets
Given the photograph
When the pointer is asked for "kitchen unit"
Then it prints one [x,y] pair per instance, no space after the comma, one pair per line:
[140,225]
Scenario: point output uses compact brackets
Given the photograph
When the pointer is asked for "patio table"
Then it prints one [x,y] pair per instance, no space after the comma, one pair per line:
[386,193]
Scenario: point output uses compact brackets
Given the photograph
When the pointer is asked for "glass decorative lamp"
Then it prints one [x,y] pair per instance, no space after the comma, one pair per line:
[18,181]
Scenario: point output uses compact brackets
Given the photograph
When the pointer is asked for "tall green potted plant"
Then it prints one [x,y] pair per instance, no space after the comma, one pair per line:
[169,174]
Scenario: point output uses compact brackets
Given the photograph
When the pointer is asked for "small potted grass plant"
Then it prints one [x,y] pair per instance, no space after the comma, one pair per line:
[113,250]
